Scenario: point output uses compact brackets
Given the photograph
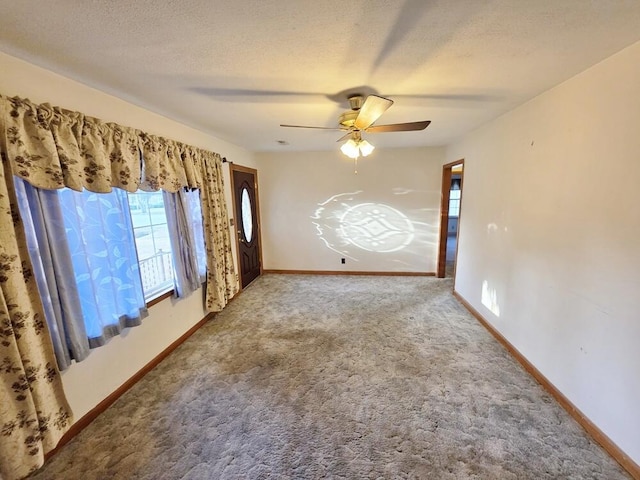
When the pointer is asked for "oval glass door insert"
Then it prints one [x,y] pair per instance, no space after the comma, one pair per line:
[247,218]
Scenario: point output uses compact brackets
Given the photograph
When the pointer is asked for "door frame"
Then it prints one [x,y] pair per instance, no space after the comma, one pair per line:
[258,227]
[444,217]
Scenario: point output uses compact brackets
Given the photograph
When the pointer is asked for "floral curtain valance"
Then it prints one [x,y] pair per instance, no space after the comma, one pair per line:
[51,148]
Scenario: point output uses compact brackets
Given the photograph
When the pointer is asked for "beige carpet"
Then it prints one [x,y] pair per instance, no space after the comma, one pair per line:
[313,377]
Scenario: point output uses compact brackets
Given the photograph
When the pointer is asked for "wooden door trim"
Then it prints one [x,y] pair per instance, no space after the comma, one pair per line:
[444,216]
[239,168]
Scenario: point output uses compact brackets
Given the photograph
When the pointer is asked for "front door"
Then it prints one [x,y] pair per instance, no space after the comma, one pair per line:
[245,186]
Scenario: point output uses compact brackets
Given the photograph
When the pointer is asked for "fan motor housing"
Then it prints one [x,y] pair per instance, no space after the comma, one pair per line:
[348,118]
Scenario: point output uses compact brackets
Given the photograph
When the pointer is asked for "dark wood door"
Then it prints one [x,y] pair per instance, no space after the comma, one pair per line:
[247,223]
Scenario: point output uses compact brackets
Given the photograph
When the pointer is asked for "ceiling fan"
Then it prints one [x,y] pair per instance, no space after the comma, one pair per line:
[361,118]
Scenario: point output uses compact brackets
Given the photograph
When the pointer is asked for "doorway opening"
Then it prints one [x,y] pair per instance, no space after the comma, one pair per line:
[244,186]
[450,208]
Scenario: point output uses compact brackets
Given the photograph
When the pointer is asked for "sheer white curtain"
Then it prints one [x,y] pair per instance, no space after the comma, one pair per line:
[185,261]
[195,219]
[85,263]
[53,271]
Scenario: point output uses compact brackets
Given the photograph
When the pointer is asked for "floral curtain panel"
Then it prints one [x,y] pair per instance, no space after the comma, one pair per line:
[52,148]
[34,413]
[221,277]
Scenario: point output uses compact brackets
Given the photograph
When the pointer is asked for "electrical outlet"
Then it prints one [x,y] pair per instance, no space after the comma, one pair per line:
[343,260]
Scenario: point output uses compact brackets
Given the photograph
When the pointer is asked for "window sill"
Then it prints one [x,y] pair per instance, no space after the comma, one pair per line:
[159,298]
[170,293]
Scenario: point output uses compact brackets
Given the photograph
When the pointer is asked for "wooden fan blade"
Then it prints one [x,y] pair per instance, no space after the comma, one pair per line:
[305,126]
[344,137]
[373,107]
[399,127]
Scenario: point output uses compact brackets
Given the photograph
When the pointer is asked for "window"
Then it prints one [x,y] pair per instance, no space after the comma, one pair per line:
[152,242]
[454,199]
[99,258]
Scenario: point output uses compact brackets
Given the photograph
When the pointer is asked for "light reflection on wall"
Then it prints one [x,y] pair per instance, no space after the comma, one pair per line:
[358,227]
[490,298]
[376,227]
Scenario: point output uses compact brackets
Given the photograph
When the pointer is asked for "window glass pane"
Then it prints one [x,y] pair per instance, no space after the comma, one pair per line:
[144,242]
[152,242]
[247,219]
[161,238]
[139,206]
[454,203]
[157,274]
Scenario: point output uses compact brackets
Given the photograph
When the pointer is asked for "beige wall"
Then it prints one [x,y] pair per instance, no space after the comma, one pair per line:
[315,210]
[89,382]
[549,238]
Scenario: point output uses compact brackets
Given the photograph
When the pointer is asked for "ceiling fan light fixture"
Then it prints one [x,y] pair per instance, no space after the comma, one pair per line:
[365,148]
[353,148]
[350,148]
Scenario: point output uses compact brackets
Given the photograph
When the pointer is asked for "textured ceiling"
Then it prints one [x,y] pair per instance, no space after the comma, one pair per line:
[237,69]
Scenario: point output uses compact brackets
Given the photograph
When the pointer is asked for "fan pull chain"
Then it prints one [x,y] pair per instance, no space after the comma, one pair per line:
[355,166]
